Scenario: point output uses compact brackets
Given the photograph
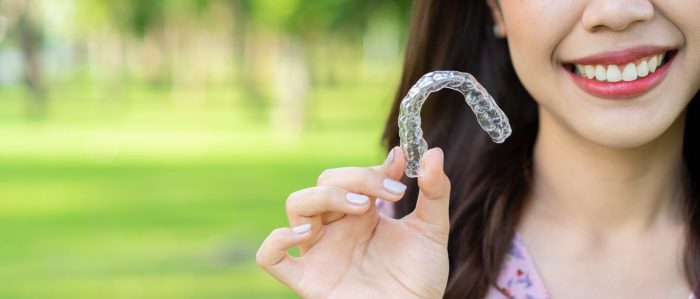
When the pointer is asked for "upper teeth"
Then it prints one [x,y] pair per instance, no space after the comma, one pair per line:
[617,73]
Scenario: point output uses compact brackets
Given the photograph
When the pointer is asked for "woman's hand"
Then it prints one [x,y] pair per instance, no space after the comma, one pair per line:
[348,250]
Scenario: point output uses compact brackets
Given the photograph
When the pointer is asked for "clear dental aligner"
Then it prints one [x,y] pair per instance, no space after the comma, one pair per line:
[489,116]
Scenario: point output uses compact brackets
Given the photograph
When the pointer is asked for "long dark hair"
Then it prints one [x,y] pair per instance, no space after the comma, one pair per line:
[492,181]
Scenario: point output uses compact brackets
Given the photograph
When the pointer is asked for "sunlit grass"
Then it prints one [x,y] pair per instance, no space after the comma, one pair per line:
[155,198]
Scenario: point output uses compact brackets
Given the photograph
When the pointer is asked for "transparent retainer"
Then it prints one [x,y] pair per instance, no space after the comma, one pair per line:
[489,116]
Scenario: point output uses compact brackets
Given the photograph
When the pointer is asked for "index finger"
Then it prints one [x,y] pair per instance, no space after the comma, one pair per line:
[377,181]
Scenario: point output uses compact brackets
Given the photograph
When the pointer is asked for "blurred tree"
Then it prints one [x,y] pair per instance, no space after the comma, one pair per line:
[166,41]
[29,34]
[3,26]
[278,49]
[309,17]
[135,17]
[304,26]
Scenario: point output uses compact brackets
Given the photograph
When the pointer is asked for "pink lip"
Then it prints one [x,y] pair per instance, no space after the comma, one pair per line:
[622,89]
[621,57]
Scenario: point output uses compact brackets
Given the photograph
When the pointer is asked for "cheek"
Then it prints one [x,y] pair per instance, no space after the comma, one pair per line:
[685,17]
[532,40]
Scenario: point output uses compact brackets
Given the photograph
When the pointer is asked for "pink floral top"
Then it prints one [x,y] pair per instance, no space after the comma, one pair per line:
[519,278]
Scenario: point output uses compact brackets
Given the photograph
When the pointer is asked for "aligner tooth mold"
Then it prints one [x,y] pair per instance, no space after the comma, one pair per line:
[489,116]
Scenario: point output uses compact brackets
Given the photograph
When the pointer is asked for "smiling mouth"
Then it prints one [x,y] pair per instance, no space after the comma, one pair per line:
[627,72]
[621,74]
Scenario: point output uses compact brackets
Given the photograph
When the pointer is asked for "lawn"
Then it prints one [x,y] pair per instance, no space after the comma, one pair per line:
[148,196]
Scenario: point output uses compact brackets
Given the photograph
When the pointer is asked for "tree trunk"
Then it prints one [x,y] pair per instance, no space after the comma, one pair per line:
[29,41]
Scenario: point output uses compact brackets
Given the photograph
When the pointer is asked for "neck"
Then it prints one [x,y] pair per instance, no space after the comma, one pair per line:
[599,189]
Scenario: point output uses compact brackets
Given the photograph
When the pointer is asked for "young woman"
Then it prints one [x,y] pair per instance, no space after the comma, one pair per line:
[595,195]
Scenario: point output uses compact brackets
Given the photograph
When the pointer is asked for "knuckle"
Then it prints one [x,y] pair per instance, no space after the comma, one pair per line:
[326,190]
[330,176]
[278,233]
[291,201]
[260,257]
[314,195]
[324,176]
[326,193]
[369,178]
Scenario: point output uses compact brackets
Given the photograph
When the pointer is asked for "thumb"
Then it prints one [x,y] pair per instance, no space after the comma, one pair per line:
[433,202]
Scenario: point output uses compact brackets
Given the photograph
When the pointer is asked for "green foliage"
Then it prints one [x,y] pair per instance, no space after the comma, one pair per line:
[309,16]
[137,17]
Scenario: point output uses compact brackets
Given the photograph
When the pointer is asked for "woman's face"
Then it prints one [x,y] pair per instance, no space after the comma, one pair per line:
[593,65]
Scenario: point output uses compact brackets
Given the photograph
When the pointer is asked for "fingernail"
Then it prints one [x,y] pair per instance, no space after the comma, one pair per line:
[390,157]
[442,154]
[302,228]
[356,199]
[394,186]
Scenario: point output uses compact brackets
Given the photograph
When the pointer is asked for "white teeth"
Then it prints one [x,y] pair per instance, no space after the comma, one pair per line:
[629,73]
[590,71]
[600,73]
[612,73]
[653,63]
[642,69]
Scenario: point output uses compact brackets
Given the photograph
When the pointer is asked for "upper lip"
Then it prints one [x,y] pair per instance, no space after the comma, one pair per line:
[620,56]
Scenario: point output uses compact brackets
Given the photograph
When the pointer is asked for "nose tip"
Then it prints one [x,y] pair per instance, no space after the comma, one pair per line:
[616,15]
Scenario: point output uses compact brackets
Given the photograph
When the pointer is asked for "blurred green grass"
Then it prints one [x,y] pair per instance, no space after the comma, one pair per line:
[151,196]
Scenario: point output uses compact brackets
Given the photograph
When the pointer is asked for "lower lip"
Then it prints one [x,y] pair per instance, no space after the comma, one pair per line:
[622,89]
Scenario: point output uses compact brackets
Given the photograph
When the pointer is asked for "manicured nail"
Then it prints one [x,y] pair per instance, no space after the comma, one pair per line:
[356,199]
[302,228]
[442,155]
[390,157]
[394,186]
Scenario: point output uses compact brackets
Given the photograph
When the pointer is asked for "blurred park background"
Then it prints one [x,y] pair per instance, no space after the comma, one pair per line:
[147,146]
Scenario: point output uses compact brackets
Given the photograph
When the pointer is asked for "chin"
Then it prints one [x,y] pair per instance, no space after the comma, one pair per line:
[627,134]
[622,140]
